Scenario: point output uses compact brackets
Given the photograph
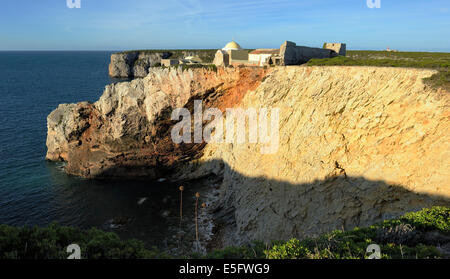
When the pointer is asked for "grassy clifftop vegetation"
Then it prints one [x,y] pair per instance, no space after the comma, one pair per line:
[430,60]
[207,55]
[424,235]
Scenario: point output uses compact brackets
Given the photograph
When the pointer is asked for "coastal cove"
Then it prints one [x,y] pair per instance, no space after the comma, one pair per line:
[216,139]
[34,191]
[347,155]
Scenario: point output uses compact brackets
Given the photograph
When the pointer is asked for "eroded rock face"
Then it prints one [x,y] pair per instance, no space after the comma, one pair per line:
[126,133]
[134,64]
[65,125]
[357,145]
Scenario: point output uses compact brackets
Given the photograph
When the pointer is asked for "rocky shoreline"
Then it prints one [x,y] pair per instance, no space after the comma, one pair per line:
[357,145]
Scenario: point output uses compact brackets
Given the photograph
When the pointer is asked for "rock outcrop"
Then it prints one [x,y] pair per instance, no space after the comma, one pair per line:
[126,133]
[356,145]
[135,64]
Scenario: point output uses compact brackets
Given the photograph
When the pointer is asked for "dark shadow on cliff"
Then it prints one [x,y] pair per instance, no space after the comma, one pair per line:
[250,208]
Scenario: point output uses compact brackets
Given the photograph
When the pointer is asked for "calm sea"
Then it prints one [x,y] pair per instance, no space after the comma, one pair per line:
[36,192]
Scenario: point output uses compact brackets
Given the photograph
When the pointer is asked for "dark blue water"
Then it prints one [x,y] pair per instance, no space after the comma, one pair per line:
[36,192]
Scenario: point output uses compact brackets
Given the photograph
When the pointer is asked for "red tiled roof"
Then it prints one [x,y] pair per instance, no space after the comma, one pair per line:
[265,51]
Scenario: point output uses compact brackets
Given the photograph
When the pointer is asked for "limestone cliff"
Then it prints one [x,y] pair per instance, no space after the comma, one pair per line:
[126,133]
[135,64]
[357,144]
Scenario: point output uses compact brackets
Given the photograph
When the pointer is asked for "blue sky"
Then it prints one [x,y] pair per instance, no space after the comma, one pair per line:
[148,24]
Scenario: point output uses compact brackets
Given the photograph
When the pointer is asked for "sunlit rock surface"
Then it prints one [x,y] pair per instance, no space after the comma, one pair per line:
[356,145]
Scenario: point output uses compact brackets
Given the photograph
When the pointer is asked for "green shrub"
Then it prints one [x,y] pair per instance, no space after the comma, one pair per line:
[353,244]
[382,62]
[401,238]
[440,79]
[435,218]
[293,249]
[52,242]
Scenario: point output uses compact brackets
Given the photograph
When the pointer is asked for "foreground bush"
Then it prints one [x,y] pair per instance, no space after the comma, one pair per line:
[52,242]
[424,235]
[414,235]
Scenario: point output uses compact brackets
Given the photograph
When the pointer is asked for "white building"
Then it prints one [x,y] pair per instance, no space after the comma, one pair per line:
[231,54]
[261,56]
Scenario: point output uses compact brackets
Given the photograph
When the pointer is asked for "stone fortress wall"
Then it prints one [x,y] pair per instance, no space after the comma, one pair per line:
[288,54]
